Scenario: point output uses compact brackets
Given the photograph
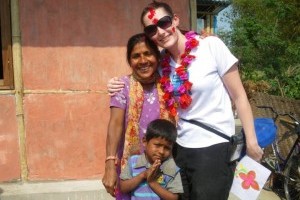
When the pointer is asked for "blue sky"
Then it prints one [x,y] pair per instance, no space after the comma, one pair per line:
[221,23]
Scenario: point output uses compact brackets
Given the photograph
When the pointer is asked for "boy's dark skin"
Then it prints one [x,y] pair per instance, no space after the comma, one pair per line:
[157,150]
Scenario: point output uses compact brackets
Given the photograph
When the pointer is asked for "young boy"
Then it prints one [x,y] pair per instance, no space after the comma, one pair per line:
[153,174]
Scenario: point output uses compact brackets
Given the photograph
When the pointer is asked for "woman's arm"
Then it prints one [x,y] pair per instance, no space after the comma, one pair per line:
[114,85]
[114,134]
[238,95]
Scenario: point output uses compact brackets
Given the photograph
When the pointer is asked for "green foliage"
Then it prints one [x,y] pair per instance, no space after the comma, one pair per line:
[265,36]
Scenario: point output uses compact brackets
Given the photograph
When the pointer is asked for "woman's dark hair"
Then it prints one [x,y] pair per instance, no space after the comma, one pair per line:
[161,128]
[155,5]
[138,38]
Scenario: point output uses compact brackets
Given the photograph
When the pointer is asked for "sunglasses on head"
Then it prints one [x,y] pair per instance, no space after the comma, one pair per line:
[164,23]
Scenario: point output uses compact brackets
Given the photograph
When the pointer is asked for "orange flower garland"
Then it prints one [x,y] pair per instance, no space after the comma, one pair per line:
[184,90]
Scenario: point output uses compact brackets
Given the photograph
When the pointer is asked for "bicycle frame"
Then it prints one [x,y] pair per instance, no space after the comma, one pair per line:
[281,166]
[289,167]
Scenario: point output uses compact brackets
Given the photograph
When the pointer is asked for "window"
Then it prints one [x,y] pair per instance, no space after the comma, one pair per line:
[6,65]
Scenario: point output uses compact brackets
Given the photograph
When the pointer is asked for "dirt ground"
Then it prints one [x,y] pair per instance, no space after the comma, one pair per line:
[264,195]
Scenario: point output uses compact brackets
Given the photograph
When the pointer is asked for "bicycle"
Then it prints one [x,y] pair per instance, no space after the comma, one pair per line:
[288,168]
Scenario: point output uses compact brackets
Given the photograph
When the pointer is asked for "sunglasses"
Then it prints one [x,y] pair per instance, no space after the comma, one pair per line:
[164,23]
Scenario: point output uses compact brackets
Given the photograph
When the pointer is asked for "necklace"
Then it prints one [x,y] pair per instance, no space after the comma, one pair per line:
[184,89]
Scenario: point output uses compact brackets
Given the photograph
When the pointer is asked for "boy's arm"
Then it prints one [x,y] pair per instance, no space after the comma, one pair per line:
[162,192]
[129,185]
[175,184]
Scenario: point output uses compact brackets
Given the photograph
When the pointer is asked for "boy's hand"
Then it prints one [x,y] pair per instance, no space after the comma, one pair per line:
[153,172]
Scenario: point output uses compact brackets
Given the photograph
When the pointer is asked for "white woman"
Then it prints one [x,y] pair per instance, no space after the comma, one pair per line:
[200,78]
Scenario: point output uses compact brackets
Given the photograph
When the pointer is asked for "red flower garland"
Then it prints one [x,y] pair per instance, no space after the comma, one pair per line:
[184,89]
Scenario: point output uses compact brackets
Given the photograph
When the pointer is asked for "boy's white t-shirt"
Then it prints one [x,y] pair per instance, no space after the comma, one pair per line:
[211,102]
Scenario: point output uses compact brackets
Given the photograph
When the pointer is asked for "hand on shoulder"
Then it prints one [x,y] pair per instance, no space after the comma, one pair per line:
[114,85]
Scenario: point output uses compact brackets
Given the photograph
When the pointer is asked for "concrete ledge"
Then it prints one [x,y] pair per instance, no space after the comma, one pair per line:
[73,190]
[60,190]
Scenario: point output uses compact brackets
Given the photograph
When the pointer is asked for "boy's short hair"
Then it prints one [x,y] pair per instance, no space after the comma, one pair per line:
[161,128]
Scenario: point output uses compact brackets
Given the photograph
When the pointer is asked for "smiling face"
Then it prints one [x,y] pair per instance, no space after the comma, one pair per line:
[157,148]
[143,61]
[165,36]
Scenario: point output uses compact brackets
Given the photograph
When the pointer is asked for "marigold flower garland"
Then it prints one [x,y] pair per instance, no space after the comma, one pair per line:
[184,90]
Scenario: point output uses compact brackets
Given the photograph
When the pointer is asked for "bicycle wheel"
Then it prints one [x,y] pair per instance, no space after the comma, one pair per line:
[292,180]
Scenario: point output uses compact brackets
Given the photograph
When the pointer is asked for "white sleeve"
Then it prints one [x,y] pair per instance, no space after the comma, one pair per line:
[223,57]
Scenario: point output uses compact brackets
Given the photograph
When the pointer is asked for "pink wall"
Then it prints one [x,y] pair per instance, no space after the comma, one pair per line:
[65,135]
[70,48]
[9,149]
